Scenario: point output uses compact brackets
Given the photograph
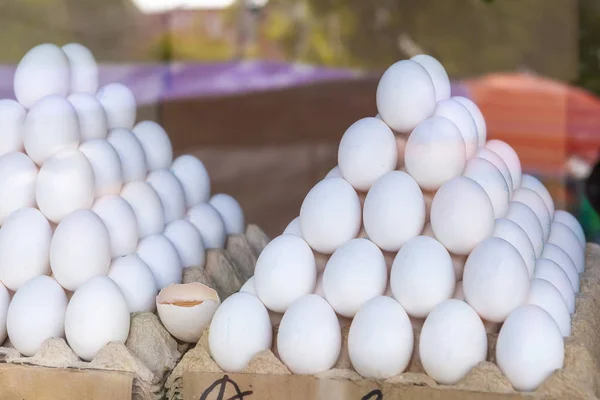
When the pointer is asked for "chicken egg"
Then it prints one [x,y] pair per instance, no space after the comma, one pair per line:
[120,221]
[532,200]
[4,303]
[231,212]
[188,243]
[498,162]
[515,235]
[147,207]
[170,192]
[43,71]
[380,340]
[134,278]
[531,182]
[510,157]
[80,249]
[84,70]
[495,279]
[18,176]
[209,223]
[36,313]
[131,154]
[569,220]
[553,273]
[477,117]
[50,126]
[563,237]
[293,228]
[105,161]
[394,211]
[435,153]
[436,71]
[523,216]
[239,330]
[366,152]
[559,256]
[24,247]
[422,276]
[491,180]
[545,295]
[91,116]
[461,117]
[405,95]
[193,175]
[12,119]
[119,104]
[162,258]
[462,215]
[64,184]
[156,144]
[97,314]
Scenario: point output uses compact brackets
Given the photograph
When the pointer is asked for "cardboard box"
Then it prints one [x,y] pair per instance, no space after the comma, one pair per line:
[198,377]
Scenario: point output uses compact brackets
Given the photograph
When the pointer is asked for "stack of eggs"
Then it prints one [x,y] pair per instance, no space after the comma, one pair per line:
[96,216]
[423,222]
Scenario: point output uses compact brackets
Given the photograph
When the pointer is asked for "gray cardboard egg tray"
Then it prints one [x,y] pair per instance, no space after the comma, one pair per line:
[266,377]
[150,352]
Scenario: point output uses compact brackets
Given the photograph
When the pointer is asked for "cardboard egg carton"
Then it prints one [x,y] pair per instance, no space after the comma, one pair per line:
[198,376]
[138,368]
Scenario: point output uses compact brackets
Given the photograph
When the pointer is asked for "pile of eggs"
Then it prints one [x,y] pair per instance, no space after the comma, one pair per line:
[96,217]
[423,221]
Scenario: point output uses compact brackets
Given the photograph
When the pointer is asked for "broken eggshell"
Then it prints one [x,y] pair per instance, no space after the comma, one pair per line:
[186,309]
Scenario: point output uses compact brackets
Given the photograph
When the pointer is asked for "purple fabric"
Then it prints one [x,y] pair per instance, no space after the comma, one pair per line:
[153,82]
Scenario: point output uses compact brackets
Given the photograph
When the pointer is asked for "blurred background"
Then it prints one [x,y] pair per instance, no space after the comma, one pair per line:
[262,90]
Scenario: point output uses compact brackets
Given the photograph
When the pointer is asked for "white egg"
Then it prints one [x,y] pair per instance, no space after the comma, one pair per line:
[105,161]
[134,278]
[355,273]
[36,313]
[438,75]
[24,247]
[50,126]
[249,287]
[462,215]
[530,347]
[563,237]
[523,216]
[162,258]
[491,180]
[366,152]
[553,273]
[499,163]
[545,295]
[131,153]
[147,207]
[422,276]
[121,223]
[435,152]
[495,279]
[559,256]
[12,119]
[64,184]
[4,303]
[531,182]
[80,249]
[156,143]
[187,241]
[119,104]
[231,212]
[91,116]
[170,191]
[460,115]
[394,211]
[309,339]
[532,200]
[510,157]
[210,224]
[97,314]
[293,228]
[452,342]
[18,176]
[477,117]
[380,340]
[239,330]
[285,271]
[330,215]
[43,71]
[193,175]
[334,173]
[569,220]
[515,235]
[84,70]
[405,95]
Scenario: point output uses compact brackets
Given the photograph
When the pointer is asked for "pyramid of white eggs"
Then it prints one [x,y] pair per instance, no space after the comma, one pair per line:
[96,216]
[422,220]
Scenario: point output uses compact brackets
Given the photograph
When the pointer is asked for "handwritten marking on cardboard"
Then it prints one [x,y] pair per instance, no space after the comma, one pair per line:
[221,384]
[373,395]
